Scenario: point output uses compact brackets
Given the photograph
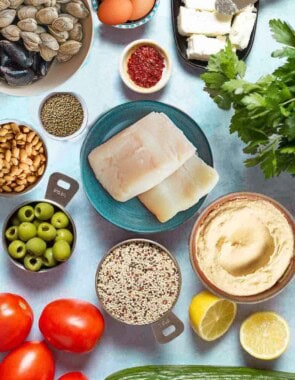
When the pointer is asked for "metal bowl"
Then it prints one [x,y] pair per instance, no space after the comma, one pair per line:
[251,299]
[31,187]
[168,319]
[83,125]
[53,194]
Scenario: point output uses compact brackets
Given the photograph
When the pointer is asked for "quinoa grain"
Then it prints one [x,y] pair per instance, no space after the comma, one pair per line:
[138,282]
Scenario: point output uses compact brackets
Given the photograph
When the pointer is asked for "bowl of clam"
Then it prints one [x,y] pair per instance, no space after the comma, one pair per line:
[42,43]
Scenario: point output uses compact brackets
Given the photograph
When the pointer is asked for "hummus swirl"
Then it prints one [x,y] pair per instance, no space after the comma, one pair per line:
[244,246]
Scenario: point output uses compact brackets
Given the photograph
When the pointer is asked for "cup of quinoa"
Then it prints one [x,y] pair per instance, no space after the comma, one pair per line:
[63,115]
[138,283]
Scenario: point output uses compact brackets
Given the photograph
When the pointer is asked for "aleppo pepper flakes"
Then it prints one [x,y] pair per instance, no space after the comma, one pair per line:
[145,66]
[62,115]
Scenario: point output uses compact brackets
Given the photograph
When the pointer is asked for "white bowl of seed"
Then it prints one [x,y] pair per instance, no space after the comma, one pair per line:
[63,115]
[138,283]
[23,158]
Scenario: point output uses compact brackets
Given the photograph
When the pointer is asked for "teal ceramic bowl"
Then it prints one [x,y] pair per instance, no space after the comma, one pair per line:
[132,215]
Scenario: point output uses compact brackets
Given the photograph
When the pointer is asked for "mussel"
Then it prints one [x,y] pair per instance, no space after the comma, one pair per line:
[17,76]
[40,67]
[20,56]
[19,67]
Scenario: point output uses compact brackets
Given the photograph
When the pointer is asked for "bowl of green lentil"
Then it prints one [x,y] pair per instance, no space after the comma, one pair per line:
[63,115]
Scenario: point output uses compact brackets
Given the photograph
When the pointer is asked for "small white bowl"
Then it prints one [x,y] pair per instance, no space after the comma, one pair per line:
[83,125]
[124,67]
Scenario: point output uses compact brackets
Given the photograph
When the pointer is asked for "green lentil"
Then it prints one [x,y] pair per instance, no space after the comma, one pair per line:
[62,115]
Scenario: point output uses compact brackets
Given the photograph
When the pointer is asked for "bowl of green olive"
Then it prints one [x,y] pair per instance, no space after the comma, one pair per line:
[40,235]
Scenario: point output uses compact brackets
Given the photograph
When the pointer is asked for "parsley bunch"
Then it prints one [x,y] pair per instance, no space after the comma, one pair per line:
[264,111]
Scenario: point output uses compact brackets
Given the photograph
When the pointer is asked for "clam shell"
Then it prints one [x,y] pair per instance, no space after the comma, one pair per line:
[70,47]
[46,15]
[4,4]
[7,17]
[76,33]
[15,4]
[63,57]
[27,11]
[59,36]
[40,29]
[49,41]
[63,24]
[11,33]
[46,53]
[77,9]
[27,25]
[35,3]
[31,40]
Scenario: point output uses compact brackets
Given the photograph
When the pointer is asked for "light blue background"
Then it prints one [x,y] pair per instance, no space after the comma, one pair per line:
[100,85]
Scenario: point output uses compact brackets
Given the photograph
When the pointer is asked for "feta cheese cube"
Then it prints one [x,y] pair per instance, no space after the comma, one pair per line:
[201,47]
[200,5]
[191,21]
[242,28]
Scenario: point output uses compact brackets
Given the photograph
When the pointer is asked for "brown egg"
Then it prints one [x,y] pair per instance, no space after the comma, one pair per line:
[114,12]
[141,8]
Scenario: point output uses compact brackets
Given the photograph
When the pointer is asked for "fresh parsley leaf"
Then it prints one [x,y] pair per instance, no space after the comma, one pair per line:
[282,32]
[264,117]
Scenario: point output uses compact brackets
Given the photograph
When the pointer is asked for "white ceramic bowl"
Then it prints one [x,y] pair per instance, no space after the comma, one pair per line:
[84,123]
[58,73]
[124,69]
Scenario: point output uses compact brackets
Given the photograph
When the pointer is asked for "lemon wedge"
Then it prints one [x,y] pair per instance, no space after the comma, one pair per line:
[265,335]
[211,316]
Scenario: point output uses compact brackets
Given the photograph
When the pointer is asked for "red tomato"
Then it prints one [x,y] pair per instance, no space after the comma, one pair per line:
[16,319]
[71,325]
[30,361]
[73,376]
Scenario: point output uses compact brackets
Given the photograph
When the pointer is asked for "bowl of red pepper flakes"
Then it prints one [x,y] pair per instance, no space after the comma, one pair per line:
[145,66]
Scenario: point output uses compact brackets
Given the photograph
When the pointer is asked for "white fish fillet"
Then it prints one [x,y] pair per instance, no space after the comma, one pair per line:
[190,21]
[181,190]
[140,157]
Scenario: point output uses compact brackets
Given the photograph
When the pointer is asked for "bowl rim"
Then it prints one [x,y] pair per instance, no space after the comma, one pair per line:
[142,21]
[31,187]
[166,73]
[27,203]
[278,287]
[128,241]
[84,124]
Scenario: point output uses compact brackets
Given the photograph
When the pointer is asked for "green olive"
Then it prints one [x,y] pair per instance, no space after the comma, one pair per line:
[15,221]
[11,233]
[33,263]
[17,249]
[26,214]
[48,259]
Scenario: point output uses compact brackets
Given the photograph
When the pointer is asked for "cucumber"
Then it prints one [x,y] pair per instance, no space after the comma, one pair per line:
[195,372]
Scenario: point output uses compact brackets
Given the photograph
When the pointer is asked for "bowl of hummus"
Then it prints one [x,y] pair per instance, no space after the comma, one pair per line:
[242,247]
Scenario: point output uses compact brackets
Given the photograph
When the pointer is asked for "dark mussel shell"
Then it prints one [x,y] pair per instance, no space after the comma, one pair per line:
[18,54]
[5,60]
[39,66]
[17,76]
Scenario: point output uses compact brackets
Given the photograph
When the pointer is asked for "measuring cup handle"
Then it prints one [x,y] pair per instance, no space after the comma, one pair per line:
[169,320]
[59,194]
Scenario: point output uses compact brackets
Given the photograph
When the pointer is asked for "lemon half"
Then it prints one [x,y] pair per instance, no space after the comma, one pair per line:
[265,335]
[211,316]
